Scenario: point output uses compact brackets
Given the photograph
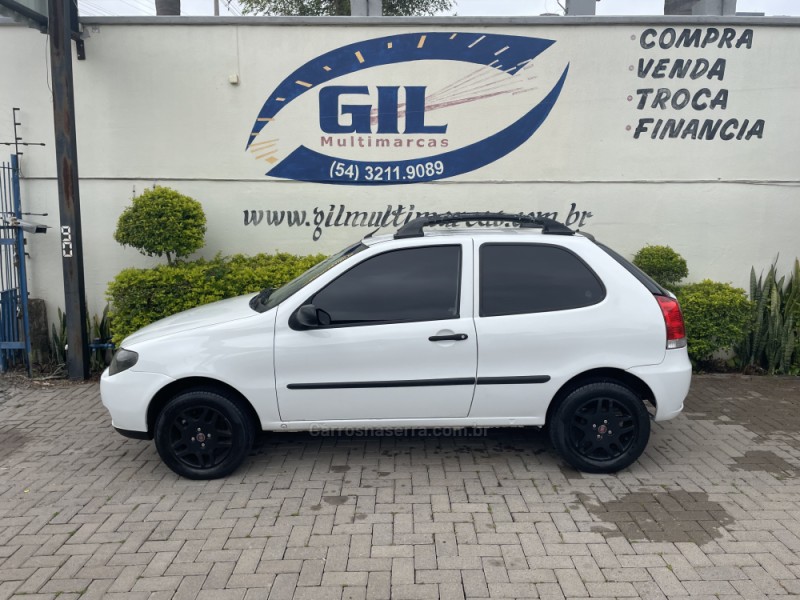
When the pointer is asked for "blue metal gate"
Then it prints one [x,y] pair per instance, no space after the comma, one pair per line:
[15,340]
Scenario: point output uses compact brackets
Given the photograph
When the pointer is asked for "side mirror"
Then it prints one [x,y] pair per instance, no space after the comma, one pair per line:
[309,316]
[306,316]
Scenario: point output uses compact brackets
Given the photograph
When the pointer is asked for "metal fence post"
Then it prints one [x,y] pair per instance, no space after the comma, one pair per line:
[21,270]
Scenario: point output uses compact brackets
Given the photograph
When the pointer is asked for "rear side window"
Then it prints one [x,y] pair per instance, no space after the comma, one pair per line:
[413,284]
[532,278]
[640,275]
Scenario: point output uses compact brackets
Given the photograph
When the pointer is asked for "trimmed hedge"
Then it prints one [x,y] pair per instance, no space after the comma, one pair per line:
[139,297]
[161,222]
[717,316]
[663,264]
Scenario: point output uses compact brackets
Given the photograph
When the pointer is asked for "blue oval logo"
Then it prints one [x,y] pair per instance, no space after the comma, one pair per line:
[380,110]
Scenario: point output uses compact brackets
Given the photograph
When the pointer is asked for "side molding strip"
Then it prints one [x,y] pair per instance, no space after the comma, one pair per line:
[341,385]
[513,380]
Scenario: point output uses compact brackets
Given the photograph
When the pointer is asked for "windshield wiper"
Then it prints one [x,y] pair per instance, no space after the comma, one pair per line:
[259,300]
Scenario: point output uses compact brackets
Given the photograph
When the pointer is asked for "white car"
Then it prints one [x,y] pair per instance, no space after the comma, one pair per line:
[459,327]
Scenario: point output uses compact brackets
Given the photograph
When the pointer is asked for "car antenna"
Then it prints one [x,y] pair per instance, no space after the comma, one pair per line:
[370,234]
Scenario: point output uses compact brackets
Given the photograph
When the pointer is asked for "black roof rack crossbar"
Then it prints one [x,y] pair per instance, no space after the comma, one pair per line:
[414,228]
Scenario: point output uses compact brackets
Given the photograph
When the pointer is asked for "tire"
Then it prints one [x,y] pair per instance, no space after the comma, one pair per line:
[600,428]
[203,434]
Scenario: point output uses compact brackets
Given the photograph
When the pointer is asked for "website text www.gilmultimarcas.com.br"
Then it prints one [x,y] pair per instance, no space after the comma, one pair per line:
[394,216]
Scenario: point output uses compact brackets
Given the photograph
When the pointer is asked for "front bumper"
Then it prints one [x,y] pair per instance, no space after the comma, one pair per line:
[127,396]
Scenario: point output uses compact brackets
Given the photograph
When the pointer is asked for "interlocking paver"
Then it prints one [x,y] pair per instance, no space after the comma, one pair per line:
[379,585]
[712,510]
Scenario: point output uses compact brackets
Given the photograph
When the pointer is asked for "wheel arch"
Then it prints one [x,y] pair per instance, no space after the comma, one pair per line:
[602,375]
[169,391]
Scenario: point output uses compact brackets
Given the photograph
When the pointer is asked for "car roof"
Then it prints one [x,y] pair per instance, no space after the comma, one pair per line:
[467,232]
[415,228]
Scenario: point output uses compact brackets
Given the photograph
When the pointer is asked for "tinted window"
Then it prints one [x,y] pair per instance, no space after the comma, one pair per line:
[643,277]
[527,278]
[416,284]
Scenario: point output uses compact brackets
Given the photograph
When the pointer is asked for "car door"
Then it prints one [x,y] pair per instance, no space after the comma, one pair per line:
[400,343]
[540,318]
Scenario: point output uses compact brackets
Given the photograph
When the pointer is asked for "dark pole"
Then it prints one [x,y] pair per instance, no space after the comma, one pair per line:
[68,196]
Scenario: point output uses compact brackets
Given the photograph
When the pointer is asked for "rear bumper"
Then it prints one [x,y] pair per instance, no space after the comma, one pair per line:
[134,435]
[669,382]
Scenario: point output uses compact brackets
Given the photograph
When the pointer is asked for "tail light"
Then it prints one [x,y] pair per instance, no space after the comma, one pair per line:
[673,319]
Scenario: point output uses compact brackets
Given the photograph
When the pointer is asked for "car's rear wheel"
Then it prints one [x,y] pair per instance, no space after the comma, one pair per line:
[600,427]
[203,434]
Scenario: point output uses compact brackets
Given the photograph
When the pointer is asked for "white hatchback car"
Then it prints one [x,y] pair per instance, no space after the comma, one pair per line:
[459,327]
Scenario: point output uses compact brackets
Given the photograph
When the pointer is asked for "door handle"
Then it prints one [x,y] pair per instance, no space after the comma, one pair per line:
[453,337]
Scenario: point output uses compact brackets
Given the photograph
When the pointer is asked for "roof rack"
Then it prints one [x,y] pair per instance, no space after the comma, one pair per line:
[414,228]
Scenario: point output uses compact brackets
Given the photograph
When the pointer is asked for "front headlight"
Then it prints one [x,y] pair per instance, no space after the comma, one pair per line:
[122,361]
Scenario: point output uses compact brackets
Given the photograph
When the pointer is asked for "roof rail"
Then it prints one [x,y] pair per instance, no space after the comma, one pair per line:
[414,228]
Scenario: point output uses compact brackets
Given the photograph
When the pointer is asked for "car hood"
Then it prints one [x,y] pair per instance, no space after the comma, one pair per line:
[207,315]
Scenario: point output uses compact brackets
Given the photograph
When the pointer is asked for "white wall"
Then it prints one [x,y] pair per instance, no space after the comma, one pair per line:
[154,105]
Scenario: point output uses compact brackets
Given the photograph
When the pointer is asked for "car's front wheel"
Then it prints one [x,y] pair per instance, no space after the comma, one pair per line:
[600,427]
[203,434]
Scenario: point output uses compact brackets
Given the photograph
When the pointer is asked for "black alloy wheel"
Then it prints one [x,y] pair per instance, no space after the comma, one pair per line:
[201,437]
[601,428]
[202,434]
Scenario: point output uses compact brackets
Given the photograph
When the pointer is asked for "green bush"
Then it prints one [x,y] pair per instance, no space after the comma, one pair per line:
[162,222]
[773,341]
[139,297]
[663,264]
[717,316]
[97,329]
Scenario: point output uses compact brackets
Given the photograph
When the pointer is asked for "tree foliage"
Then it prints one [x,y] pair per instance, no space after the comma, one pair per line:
[322,8]
[162,222]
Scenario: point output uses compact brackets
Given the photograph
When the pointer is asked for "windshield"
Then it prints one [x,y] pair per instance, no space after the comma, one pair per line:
[275,297]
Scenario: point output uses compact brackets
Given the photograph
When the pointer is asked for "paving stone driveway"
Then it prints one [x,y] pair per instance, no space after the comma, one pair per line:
[712,510]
